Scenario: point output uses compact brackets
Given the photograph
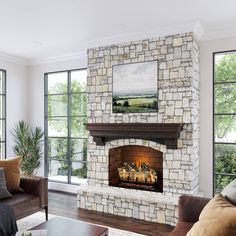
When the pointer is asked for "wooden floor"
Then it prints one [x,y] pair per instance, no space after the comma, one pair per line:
[65,205]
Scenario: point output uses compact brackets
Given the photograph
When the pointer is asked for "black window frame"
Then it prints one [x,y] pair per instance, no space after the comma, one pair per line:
[69,137]
[214,115]
[3,119]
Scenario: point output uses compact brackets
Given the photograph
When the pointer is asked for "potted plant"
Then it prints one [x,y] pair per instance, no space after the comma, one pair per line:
[28,145]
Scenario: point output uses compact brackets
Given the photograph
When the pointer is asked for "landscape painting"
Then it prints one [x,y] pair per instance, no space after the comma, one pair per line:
[135,87]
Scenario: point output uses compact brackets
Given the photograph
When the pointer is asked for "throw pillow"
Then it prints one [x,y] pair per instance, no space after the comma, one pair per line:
[3,189]
[217,218]
[12,173]
[229,192]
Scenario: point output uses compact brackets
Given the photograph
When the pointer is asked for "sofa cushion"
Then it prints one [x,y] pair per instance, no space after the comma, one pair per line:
[217,218]
[23,204]
[12,173]
[229,192]
[181,228]
[3,189]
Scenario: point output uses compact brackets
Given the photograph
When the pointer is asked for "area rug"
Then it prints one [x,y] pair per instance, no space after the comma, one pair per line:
[39,217]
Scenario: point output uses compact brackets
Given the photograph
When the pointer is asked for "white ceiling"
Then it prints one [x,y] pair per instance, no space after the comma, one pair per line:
[45,28]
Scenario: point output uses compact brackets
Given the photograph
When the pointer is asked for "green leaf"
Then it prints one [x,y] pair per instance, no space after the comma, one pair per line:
[28,145]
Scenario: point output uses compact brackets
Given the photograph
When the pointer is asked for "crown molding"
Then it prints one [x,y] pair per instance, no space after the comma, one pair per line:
[122,38]
[60,58]
[219,34]
[13,59]
[193,26]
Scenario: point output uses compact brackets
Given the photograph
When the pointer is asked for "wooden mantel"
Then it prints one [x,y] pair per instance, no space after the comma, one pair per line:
[166,134]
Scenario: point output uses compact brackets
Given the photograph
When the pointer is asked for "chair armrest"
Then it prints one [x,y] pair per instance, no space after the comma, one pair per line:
[37,186]
[190,207]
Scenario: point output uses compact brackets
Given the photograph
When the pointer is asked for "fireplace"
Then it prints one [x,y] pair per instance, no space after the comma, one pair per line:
[169,138]
[136,167]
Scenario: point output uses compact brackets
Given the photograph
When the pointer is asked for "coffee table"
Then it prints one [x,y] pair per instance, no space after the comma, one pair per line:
[59,226]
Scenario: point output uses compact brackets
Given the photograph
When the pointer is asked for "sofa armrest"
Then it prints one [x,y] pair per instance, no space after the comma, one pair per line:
[37,186]
[190,207]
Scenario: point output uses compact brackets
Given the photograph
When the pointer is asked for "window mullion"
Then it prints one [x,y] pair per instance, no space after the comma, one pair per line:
[46,163]
[69,128]
[3,114]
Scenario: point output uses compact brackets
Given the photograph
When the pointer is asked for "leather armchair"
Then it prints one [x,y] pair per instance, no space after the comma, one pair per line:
[33,198]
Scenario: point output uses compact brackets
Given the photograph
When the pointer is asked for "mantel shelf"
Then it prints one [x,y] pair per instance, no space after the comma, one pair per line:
[166,134]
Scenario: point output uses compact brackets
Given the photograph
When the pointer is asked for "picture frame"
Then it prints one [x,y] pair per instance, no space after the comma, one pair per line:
[135,87]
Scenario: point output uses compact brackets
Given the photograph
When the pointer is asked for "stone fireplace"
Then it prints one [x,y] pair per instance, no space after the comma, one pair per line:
[164,142]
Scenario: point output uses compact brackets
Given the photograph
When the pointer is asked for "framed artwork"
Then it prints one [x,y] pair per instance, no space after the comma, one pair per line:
[135,87]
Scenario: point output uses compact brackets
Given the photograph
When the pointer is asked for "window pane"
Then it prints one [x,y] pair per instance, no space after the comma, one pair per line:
[1,79]
[2,130]
[78,80]
[2,152]
[225,158]
[57,105]
[78,127]
[225,163]
[57,83]
[221,181]
[58,170]
[225,128]
[78,172]
[79,104]
[57,127]
[79,149]
[225,98]
[225,67]
[2,82]
[2,106]
[57,147]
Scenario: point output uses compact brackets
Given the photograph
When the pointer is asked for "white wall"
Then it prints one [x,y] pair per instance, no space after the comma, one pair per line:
[36,101]
[36,94]
[206,108]
[16,82]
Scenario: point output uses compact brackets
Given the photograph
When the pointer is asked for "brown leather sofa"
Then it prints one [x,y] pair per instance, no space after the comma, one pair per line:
[34,197]
[189,208]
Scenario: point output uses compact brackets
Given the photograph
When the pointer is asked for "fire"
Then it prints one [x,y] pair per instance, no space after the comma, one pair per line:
[139,172]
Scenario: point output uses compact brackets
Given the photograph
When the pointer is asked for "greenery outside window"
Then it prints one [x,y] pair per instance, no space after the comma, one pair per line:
[224,145]
[65,118]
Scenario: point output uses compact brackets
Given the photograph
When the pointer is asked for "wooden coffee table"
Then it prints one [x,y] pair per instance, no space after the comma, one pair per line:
[59,226]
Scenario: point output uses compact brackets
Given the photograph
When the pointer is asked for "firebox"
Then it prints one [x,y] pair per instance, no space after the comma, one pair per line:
[136,167]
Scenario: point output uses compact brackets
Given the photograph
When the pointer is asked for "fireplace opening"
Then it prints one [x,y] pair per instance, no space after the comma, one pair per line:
[136,167]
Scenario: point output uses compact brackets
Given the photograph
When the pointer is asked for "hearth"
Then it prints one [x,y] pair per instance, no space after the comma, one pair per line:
[136,167]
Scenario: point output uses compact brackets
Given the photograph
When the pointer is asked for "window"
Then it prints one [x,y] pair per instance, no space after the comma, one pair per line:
[65,118]
[224,145]
[3,113]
